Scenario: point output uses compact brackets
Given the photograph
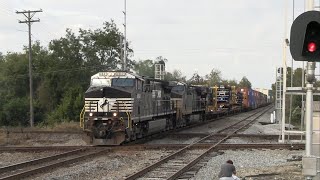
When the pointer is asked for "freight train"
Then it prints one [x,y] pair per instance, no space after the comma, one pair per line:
[121,106]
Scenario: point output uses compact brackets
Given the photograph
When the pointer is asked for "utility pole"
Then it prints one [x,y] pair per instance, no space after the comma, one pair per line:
[125,36]
[29,15]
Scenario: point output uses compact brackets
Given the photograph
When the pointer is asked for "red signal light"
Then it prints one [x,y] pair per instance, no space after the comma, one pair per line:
[312,47]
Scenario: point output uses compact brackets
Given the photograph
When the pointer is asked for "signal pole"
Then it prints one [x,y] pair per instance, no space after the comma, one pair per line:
[29,15]
[309,95]
[310,78]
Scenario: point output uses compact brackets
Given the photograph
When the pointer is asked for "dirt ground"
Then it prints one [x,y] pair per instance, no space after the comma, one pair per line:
[25,137]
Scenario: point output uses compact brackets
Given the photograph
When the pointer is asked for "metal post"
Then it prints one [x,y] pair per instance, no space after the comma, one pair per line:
[309,113]
[309,106]
[309,96]
[302,100]
[291,77]
[310,78]
[284,65]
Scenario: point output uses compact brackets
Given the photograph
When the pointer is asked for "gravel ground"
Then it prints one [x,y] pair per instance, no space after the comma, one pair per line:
[7,159]
[174,141]
[121,164]
[215,126]
[113,166]
[257,128]
[220,124]
[254,162]
[243,140]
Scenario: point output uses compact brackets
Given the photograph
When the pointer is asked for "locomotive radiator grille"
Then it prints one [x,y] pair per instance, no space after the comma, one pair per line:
[109,104]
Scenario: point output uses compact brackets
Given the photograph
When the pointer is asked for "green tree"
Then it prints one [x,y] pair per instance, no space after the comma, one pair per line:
[176,75]
[15,112]
[61,74]
[244,82]
[214,77]
[144,68]
[196,79]
[233,82]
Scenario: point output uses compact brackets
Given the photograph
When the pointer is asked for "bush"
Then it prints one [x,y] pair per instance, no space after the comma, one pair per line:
[15,112]
[69,109]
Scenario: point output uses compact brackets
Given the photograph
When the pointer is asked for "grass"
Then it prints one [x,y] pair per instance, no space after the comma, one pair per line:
[63,126]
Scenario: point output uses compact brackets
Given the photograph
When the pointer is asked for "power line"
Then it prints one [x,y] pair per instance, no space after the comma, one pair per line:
[29,15]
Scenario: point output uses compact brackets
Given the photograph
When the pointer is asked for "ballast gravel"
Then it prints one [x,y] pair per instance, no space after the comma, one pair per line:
[7,158]
[106,167]
[252,162]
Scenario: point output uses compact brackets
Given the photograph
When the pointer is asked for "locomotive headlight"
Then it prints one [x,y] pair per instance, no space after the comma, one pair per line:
[90,114]
[114,114]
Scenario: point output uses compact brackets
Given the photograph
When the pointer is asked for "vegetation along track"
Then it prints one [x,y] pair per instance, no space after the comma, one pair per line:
[24,169]
[184,160]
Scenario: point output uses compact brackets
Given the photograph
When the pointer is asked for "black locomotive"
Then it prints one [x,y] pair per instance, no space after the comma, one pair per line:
[121,106]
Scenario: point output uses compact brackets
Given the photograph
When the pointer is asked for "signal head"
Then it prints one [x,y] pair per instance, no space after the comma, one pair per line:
[305,37]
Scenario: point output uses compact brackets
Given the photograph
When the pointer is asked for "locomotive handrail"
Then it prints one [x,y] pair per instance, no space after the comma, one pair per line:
[128,114]
[82,117]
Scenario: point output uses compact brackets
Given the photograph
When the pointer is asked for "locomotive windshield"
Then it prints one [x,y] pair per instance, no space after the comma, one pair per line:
[122,82]
[178,88]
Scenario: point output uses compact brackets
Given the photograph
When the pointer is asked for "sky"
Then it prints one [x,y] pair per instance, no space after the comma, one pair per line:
[238,37]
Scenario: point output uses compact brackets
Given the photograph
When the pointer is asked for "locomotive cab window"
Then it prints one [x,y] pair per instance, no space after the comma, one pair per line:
[123,82]
[178,88]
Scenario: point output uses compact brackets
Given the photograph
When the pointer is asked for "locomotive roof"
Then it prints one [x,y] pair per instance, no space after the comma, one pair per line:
[115,74]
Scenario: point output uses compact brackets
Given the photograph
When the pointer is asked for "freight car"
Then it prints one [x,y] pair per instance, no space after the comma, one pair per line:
[122,106]
[252,99]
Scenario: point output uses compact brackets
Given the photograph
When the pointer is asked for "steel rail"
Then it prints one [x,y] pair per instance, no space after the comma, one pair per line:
[222,146]
[268,136]
[174,131]
[194,161]
[167,158]
[17,166]
[39,148]
[22,173]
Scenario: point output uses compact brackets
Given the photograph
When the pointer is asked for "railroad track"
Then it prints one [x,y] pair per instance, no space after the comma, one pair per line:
[28,168]
[39,148]
[174,131]
[182,162]
[258,136]
[223,146]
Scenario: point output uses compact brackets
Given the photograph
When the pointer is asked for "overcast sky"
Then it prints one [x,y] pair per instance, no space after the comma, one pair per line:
[238,37]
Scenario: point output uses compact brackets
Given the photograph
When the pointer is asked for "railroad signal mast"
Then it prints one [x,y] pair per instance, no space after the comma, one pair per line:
[305,46]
